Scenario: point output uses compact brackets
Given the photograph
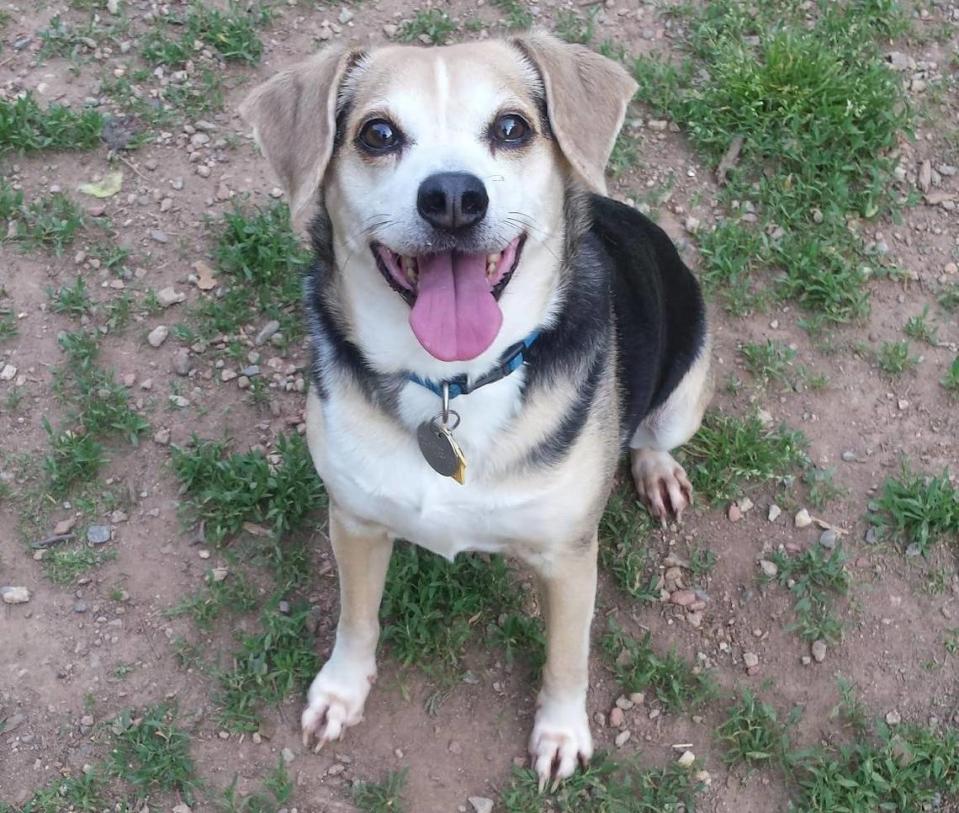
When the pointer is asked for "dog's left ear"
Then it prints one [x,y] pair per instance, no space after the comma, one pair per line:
[586,99]
[293,116]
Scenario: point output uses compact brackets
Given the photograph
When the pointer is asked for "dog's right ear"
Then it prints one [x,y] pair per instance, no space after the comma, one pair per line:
[293,116]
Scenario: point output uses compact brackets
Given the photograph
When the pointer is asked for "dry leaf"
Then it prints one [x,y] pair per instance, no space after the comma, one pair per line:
[205,280]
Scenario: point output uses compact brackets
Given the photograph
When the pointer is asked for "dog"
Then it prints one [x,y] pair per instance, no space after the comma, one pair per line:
[489,332]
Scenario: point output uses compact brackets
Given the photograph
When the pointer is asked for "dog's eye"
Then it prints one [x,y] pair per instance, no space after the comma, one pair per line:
[379,135]
[511,129]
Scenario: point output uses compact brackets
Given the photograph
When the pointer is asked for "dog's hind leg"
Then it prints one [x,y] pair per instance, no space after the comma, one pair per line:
[661,482]
[561,740]
[338,693]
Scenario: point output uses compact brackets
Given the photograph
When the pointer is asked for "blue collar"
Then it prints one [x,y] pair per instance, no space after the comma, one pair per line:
[509,362]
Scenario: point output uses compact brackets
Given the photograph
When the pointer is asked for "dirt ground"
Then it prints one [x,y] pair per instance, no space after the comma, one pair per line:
[59,653]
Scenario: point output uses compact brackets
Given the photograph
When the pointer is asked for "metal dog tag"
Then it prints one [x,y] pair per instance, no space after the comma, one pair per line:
[441,450]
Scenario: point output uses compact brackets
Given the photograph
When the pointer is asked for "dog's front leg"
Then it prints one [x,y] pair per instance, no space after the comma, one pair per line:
[561,737]
[338,693]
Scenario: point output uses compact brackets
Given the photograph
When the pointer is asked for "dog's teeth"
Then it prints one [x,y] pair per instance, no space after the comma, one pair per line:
[494,258]
[409,268]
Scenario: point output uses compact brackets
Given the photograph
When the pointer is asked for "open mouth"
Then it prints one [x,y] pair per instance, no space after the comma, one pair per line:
[453,295]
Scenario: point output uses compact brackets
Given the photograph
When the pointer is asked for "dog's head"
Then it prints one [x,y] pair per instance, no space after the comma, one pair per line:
[444,172]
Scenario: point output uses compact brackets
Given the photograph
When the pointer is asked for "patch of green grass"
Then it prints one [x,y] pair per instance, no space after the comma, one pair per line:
[752,733]
[950,381]
[728,454]
[823,488]
[949,298]
[623,531]
[151,753]
[64,565]
[702,561]
[230,594]
[517,15]
[50,222]
[206,93]
[432,608]
[382,797]
[678,685]
[784,81]
[919,328]
[850,708]
[73,457]
[905,768]
[604,786]
[625,154]
[815,577]
[73,300]
[918,511]
[894,359]
[231,32]
[110,255]
[258,253]
[268,666]
[278,785]
[225,491]
[27,127]
[576,28]
[8,327]
[769,361]
[82,794]
[433,25]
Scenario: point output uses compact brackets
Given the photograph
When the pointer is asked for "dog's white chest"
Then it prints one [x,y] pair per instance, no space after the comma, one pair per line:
[378,474]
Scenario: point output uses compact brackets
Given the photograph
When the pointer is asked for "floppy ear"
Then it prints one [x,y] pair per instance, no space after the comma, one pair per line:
[586,99]
[293,116]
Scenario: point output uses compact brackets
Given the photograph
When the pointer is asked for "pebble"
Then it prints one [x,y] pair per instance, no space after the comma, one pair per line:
[159,236]
[266,332]
[181,808]
[893,717]
[616,717]
[686,759]
[871,536]
[733,513]
[80,607]
[169,296]
[849,456]
[750,659]
[158,335]
[774,512]
[389,30]
[14,595]
[226,374]
[828,539]
[622,738]
[481,804]
[182,363]
[768,568]
[802,518]
[683,597]
[637,698]
[345,16]
[288,755]
[818,650]
[162,437]
[8,373]
[624,703]
[98,534]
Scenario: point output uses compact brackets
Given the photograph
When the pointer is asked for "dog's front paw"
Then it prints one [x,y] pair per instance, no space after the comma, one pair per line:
[335,701]
[661,482]
[560,740]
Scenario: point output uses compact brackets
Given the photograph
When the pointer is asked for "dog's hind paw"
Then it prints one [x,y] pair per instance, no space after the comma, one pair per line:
[334,703]
[560,741]
[661,483]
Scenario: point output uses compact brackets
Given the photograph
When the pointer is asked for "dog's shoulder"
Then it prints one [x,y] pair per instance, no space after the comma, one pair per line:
[657,303]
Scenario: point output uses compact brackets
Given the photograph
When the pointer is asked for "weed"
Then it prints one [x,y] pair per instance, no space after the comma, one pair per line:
[918,510]
[27,127]
[432,26]
[919,328]
[8,326]
[228,490]
[50,222]
[110,255]
[205,94]
[118,312]
[381,797]
[823,489]
[574,28]
[73,457]
[231,32]
[268,666]
[73,300]
[83,794]
[623,529]
[702,561]
[752,733]
[850,708]
[814,577]
[625,154]
[951,641]
[893,358]
[771,361]
[950,381]
[603,786]
[677,684]
[949,298]
[729,453]
[149,752]
[232,593]
[64,565]
[517,15]
[278,785]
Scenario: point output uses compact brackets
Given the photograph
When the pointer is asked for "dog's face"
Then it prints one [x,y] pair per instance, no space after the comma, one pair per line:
[445,172]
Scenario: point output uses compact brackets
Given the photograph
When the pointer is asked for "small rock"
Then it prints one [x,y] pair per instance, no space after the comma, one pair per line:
[80,607]
[893,717]
[181,808]
[14,595]
[802,519]
[182,363]
[8,373]
[219,574]
[818,650]
[169,296]
[158,335]
[692,224]
[64,526]
[750,659]
[617,717]
[914,549]
[159,236]
[828,539]
[637,698]
[98,534]
[288,755]
[481,804]
[345,16]
[733,513]
[622,738]
[162,437]
[683,597]
[266,332]
[745,505]
[226,374]
[86,720]
[389,30]
[686,759]
[335,769]
[624,703]
[774,512]
[768,568]
[871,536]
[849,456]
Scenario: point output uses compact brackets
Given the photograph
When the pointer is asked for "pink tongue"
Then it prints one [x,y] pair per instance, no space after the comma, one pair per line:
[455,316]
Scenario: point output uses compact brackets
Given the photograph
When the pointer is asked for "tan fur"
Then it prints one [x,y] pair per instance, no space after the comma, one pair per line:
[586,95]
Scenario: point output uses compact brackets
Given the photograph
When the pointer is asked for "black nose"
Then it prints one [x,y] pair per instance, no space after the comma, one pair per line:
[452,200]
